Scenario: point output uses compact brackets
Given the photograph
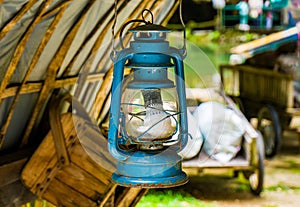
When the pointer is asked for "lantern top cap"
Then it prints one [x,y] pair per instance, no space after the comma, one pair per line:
[150,28]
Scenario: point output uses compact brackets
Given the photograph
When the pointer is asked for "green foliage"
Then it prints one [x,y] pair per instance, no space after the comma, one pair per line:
[281,187]
[170,198]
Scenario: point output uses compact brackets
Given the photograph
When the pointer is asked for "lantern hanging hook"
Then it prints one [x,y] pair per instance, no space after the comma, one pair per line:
[143,20]
[113,54]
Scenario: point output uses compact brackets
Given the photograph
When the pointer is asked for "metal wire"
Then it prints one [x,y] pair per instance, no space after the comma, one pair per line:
[136,115]
[183,25]
[113,27]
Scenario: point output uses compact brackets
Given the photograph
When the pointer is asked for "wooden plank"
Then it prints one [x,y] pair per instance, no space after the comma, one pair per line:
[83,182]
[60,194]
[15,194]
[57,130]
[10,172]
[128,197]
[44,159]
[264,40]
[94,143]
[106,201]
[89,164]
[37,86]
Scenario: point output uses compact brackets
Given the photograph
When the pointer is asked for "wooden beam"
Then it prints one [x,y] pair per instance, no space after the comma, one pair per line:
[53,68]
[37,86]
[15,60]
[15,194]
[16,18]
[91,55]
[56,9]
[171,13]
[129,197]
[34,60]
[11,165]
[10,172]
[243,48]
[20,48]
[103,22]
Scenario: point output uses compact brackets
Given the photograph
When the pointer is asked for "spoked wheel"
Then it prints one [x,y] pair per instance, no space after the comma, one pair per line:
[269,126]
[256,177]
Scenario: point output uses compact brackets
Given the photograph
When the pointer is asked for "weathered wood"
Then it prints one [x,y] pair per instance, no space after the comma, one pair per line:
[90,165]
[44,160]
[138,197]
[88,174]
[56,10]
[52,71]
[61,194]
[108,195]
[15,60]
[95,144]
[10,172]
[82,181]
[15,194]
[21,46]
[129,196]
[57,130]
[264,41]
[37,86]
[31,67]
[16,18]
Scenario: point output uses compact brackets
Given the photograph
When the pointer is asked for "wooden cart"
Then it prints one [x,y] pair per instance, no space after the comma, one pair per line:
[250,159]
[264,94]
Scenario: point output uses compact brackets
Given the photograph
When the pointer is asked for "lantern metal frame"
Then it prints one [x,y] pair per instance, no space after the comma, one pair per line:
[158,168]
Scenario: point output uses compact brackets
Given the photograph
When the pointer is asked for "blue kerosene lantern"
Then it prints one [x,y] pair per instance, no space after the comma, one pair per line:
[147,109]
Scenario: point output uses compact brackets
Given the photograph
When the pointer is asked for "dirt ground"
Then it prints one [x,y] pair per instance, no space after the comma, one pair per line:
[281,182]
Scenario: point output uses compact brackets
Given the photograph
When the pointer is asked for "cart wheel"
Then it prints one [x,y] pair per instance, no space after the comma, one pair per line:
[256,179]
[268,124]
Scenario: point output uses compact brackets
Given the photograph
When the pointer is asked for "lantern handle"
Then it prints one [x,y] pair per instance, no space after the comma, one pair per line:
[135,20]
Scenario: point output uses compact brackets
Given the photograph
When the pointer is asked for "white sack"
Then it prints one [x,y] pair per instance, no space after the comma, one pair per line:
[195,140]
[221,129]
